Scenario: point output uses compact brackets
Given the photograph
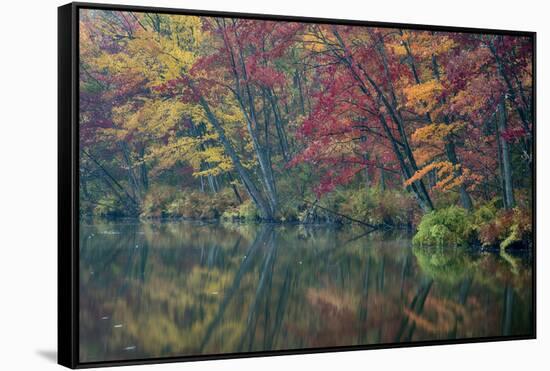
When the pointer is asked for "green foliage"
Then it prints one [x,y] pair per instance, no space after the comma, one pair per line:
[445,199]
[246,211]
[109,206]
[485,213]
[156,201]
[507,228]
[450,226]
[488,225]
[290,188]
[390,207]
[290,211]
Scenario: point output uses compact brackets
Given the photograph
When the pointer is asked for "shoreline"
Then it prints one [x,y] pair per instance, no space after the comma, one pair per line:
[475,247]
[237,221]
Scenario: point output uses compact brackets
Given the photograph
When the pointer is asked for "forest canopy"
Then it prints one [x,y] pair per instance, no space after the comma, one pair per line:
[257,120]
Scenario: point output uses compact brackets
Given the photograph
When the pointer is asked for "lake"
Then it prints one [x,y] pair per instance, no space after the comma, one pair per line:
[176,288]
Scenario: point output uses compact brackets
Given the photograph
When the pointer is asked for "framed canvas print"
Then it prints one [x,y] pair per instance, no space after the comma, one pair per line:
[235,185]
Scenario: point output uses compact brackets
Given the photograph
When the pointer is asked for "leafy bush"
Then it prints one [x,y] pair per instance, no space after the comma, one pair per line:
[289,211]
[109,206]
[176,207]
[485,213]
[391,207]
[246,211]
[443,199]
[450,226]
[507,228]
[171,202]
[200,205]
[156,200]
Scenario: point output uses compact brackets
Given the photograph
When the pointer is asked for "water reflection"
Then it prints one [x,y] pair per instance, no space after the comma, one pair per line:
[175,288]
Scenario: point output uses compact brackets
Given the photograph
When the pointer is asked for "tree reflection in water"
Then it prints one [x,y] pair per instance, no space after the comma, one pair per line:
[180,288]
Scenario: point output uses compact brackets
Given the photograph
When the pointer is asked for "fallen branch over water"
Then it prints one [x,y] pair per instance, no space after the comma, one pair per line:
[341,215]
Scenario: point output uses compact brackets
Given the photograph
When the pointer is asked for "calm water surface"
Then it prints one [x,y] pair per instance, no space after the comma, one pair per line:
[178,288]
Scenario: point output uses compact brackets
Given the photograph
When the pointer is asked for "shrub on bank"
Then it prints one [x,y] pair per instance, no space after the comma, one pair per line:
[246,211]
[109,206]
[199,205]
[290,211]
[374,206]
[487,225]
[157,200]
[507,228]
[171,202]
[451,226]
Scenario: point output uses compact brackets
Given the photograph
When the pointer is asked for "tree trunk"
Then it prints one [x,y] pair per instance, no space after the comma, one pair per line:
[366,159]
[367,176]
[382,181]
[255,195]
[263,160]
[502,187]
[509,201]
[451,154]
[143,171]
[112,182]
[132,178]
[197,132]
[511,91]
[298,80]
[449,143]
[405,170]
[212,184]
[283,142]
[241,93]
[419,189]
[235,190]
[202,184]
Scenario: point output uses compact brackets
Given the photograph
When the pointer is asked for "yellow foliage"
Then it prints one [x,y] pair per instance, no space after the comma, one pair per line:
[156,57]
[435,133]
[427,153]
[421,173]
[423,97]
[397,48]
[446,173]
[313,43]
[317,42]
[192,151]
[426,44]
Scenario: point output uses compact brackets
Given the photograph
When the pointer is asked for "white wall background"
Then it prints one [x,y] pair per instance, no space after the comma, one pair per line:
[28,181]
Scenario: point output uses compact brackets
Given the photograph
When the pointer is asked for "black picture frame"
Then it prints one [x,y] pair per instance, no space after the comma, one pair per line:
[68,179]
